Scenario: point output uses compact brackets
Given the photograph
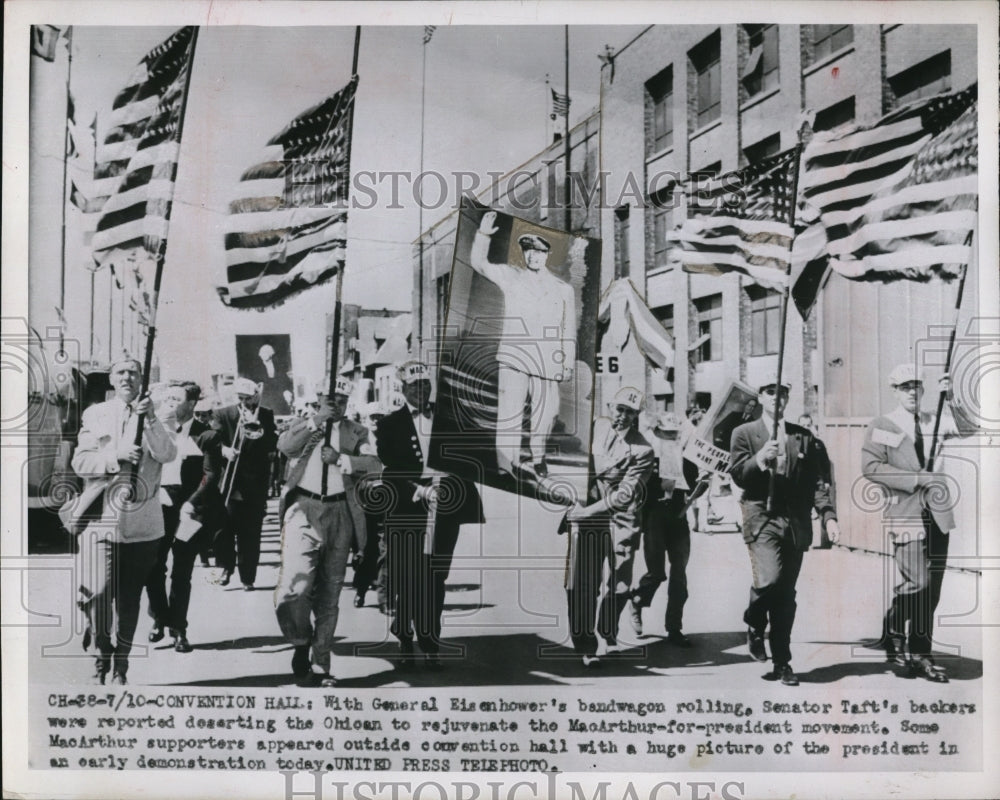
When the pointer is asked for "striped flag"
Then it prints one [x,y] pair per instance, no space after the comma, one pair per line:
[287,229]
[560,104]
[137,165]
[739,222]
[622,305]
[899,199]
[429,32]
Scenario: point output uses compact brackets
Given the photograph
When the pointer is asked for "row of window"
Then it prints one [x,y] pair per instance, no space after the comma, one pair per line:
[765,320]
[759,73]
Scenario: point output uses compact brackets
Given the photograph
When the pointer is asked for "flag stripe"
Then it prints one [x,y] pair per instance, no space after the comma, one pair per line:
[287,228]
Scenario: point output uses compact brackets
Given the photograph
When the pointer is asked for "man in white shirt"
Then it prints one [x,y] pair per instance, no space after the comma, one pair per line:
[537,350]
[323,515]
[118,550]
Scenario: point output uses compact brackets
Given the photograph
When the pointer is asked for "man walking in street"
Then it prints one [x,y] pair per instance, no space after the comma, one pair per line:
[781,482]
[896,455]
[322,518]
[118,550]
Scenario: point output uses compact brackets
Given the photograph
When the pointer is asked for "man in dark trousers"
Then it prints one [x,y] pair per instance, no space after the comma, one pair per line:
[178,481]
[918,517]
[776,537]
[427,507]
[248,435]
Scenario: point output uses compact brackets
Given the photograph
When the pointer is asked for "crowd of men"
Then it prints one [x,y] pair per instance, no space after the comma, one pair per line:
[367,495]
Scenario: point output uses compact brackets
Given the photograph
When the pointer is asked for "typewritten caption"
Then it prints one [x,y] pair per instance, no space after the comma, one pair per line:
[441,730]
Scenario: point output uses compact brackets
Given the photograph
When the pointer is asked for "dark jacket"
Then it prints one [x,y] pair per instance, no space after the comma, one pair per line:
[403,465]
[796,492]
[253,472]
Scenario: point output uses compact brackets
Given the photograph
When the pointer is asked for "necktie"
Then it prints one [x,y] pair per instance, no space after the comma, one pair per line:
[126,417]
[918,440]
[326,441]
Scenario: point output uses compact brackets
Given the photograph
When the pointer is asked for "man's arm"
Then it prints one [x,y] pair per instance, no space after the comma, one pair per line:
[569,331]
[363,460]
[295,438]
[95,452]
[744,467]
[478,257]
[876,466]
[157,440]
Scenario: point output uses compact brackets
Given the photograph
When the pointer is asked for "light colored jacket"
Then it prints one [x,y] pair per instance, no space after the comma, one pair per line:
[103,428]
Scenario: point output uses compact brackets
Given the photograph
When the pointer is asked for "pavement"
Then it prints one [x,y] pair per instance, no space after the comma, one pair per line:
[505,617]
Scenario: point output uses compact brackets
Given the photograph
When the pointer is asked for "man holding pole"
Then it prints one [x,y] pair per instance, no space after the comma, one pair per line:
[897,456]
[118,550]
[781,480]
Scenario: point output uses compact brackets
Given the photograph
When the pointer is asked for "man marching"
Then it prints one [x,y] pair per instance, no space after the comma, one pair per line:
[777,536]
[322,518]
[248,436]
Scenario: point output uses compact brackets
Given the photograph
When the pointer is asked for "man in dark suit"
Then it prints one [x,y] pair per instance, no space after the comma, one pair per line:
[329,456]
[178,481]
[426,509]
[777,538]
[251,465]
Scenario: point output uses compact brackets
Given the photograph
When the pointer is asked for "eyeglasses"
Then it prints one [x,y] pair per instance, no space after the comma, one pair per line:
[909,386]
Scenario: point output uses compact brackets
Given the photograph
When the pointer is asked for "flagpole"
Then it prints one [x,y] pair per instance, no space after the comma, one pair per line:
[420,209]
[942,396]
[568,213]
[62,261]
[161,254]
[793,197]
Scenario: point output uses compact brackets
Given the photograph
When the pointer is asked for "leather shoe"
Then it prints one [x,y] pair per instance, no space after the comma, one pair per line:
[783,673]
[678,639]
[755,643]
[327,681]
[924,667]
[156,634]
[99,677]
[635,617]
[301,663]
[181,644]
[248,587]
[359,600]
[895,651]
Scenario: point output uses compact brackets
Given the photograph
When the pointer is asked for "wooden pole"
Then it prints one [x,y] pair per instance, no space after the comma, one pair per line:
[568,213]
[784,320]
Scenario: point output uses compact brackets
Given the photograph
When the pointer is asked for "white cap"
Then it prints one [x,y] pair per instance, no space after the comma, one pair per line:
[245,386]
[904,373]
[411,371]
[629,396]
[771,379]
[373,408]
[668,422]
[207,403]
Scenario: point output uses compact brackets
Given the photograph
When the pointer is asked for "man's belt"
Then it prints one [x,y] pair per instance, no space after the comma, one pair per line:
[329,498]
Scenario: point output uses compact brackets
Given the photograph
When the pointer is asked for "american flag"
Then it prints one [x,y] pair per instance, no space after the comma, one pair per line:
[560,103]
[739,221]
[622,303]
[287,229]
[43,41]
[899,199]
[137,166]
[429,32]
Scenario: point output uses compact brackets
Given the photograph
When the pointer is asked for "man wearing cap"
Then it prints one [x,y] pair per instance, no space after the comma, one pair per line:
[178,481]
[666,537]
[777,536]
[537,350]
[623,462]
[919,514]
[328,456]
[118,550]
[426,508]
[247,502]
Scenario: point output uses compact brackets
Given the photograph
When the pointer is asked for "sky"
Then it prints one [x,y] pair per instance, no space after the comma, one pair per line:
[486,109]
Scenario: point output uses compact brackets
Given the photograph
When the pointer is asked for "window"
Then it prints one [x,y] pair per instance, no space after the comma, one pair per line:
[765,320]
[663,215]
[665,316]
[443,284]
[835,116]
[761,70]
[703,400]
[664,402]
[929,77]
[709,327]
[660,91]
[763,149]
[827,39]
[708,72]
[622,261]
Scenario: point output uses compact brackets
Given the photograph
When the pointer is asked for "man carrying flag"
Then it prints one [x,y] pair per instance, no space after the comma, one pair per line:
[896,455]
[777,527]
